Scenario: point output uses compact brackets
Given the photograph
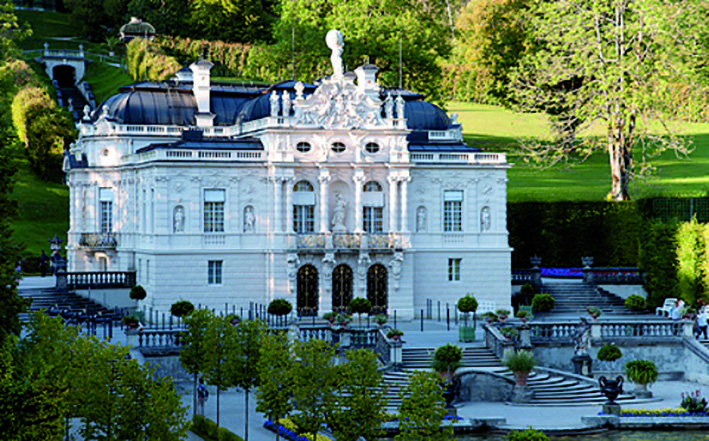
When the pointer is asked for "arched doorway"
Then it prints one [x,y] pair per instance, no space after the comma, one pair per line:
[341,287]
[307,297]
[377,277]
[65,75]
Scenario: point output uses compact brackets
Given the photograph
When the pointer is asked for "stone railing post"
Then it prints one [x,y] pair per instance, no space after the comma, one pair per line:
[525,336]
[595,332]
[536,271]
[395,353]
[587,270]
[687,328]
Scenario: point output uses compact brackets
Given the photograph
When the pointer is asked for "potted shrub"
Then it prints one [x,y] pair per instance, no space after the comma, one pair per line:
[635,303]
[380,319]
[520,363]
[509,332]
[343,320]
[502,314]
[330,317]
[233,319]
[131,322]
[446,360]
[522,316]
[181,308]
[594,312]
[359,306]
[395,334]
[138,293]
[280,308]
[609,353]
[466,305]
[543,302]
[642,373]
[490,317]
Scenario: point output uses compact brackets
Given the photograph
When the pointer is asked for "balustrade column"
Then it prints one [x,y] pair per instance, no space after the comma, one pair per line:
[404,184]
[324,178]
[392,202]
[358,181]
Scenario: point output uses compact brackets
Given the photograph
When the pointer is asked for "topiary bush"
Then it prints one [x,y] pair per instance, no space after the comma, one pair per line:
[447,358]
[635,303]
[359,305]
[543,302]
[467,304]
[527,289]
[641,372]
[182,308]
[138,293]
[526,435]
[609,352]
[279,307]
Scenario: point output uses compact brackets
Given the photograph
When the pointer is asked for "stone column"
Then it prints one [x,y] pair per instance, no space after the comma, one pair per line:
[324,178]
[289,207]
[404,184]
[358,179]
[277,196]
[392,202]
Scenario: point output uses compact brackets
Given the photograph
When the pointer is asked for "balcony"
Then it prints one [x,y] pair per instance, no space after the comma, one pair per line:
[98,241]
[352,241]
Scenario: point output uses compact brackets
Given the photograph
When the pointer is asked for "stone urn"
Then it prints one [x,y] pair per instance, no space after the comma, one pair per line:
[611,388]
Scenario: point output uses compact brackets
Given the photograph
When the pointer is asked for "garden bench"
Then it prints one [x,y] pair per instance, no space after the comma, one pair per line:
[666,307]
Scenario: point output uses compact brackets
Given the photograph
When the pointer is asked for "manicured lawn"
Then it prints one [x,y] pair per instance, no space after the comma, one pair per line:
[495,129]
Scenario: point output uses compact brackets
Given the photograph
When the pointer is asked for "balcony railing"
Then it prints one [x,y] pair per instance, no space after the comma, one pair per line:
[100,279]
[353,241]
[100,241]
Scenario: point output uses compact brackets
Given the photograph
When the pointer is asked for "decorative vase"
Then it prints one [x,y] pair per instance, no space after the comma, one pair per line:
[611,388]
[521,378]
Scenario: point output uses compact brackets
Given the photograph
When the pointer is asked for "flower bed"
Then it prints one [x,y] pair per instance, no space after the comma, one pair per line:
[289,432]
[664,412]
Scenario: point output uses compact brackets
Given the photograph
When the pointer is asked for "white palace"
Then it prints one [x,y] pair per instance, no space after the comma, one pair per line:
[217,194]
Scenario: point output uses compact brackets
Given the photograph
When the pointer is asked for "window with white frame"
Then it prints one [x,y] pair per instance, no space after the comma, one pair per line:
[453,210]
[214,272]
[454,269]
[214,210]
[372,207]
[303,207]
[105,196]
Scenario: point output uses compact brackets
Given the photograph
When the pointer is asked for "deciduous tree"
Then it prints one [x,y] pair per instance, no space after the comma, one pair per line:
[422,409]
[193,353]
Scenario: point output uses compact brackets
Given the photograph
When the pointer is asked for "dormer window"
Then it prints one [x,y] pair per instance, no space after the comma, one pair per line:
[303,147]
[372,147]
[338,147]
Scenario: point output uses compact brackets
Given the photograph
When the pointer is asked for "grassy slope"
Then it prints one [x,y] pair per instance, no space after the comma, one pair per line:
[492,128]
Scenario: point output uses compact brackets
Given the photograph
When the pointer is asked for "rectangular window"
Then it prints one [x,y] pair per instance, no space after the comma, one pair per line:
[105,196]
[214,211]
[214,272]
[453,270]
[452,210]
[147,271]
[372,217]
[303,218]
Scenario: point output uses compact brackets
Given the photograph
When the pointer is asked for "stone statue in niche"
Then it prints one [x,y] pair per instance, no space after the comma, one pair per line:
[338,217]
[485,219]
[249,219]
[178,219]
[336,44]
[421,219]
[293,262]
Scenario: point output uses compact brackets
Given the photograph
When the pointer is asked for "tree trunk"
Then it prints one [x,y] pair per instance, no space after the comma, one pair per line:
[246,417]
[194,395]
[620,158]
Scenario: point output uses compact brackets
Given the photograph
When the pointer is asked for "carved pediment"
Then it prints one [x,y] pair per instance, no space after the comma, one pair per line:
[339,104]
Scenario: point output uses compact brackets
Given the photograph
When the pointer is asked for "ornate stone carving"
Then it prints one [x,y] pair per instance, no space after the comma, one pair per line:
[328,263]
[275,105]
[421,220]
[338,216]
[293,262]
[249,219]
[336,43]
[485,219]
[178,219]
[363,263]
[286,103]
[396,266]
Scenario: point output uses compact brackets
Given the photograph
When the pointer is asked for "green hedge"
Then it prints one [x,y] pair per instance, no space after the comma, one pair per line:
[563,232]
[158,64]
[208,430]
[658,260]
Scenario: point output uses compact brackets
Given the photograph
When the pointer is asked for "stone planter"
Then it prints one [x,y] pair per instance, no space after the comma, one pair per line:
[466,334]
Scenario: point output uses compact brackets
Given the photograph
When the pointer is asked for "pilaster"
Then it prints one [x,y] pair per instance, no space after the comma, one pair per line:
[358,179]
[324,180]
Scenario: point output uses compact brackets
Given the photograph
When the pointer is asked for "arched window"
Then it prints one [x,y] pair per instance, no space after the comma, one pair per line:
[372,208]
[307,297]
[341,288]
[303,207]
[372,186]
[377,278]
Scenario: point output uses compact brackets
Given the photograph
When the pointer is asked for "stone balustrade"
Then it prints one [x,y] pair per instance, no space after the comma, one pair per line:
[100,279]
[98,241]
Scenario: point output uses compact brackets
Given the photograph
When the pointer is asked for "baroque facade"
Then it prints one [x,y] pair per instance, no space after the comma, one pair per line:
[223,194]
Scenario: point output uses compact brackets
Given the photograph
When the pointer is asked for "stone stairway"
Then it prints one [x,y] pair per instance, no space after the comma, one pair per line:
[75,305]
[548,389]
[575,297]
[73,100]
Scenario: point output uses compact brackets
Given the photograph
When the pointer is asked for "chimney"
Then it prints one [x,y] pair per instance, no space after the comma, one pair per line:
[200,90]
[367,80]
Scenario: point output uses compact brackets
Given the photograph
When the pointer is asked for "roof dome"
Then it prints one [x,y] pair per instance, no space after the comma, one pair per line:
[260,107]
[422,115]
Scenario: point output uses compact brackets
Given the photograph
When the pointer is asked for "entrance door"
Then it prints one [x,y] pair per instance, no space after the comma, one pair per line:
[341,288]
[377,277]
[307,291]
